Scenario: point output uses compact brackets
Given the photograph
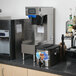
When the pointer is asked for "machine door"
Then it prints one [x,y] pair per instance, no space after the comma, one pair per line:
[4,46]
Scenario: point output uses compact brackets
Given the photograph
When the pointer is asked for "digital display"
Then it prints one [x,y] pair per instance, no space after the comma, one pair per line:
[32,11]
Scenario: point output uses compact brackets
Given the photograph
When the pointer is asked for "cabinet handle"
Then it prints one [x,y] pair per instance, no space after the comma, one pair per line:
[2,71]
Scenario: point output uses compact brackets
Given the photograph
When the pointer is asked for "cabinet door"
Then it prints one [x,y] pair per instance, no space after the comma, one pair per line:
[7,70]
[18,71]
[14,71]
[39,73]
[0,69]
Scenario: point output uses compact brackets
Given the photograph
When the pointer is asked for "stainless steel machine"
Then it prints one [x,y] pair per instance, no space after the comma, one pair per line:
[11,36]
[39,29]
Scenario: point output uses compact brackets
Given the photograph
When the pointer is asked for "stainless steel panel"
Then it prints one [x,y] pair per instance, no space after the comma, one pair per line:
[4,46]
[5,38]
[28,49]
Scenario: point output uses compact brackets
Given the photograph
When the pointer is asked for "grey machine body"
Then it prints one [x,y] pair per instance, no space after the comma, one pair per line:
[41,30]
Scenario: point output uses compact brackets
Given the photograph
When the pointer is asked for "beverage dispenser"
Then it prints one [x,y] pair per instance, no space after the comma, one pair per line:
[39,29]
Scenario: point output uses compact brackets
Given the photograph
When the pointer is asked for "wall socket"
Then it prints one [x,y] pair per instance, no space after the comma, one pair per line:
[0,10]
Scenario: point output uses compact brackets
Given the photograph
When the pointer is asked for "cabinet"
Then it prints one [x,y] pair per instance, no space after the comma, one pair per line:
[8,70]
[39,73]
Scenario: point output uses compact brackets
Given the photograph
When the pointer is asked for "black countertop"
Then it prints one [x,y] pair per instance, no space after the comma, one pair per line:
[66,68]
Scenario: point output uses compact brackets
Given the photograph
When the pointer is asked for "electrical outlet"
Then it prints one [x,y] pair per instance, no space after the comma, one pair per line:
[0,10]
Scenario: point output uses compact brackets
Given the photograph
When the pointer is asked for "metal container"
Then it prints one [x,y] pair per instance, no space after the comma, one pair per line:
[49,55]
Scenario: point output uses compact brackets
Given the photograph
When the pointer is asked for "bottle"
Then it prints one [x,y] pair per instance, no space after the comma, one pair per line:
[70,23]
[74,19]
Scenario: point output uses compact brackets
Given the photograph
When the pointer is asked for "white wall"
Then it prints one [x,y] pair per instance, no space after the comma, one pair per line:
[16,9]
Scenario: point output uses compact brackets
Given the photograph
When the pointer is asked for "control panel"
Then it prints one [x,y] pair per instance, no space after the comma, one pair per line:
[4,33]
